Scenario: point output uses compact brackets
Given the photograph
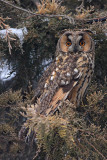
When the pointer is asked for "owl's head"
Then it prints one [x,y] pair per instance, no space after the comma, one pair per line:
[75,42]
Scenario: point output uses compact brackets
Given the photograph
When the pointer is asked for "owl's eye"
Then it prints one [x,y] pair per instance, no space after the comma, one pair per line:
[68,43]
[82,43]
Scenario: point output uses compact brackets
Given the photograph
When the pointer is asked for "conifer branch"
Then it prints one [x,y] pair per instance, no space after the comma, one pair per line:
[71,19]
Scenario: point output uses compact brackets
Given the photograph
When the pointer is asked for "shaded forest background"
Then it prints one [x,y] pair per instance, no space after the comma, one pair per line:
[85,135]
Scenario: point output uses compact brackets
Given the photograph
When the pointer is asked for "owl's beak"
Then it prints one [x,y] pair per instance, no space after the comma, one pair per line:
[75,49]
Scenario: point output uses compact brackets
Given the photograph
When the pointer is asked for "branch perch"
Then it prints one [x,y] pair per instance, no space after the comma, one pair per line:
[71,19]
[36,14]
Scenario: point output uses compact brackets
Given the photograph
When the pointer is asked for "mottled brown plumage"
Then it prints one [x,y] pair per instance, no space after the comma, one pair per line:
[69,74]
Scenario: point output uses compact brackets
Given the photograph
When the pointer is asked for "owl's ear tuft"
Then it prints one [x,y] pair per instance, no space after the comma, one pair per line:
[63,31]
[89,32]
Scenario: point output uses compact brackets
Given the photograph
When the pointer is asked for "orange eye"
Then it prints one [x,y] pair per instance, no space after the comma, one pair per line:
[68,43]
[82,43]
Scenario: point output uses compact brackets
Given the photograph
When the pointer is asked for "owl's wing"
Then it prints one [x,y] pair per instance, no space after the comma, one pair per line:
[64,92]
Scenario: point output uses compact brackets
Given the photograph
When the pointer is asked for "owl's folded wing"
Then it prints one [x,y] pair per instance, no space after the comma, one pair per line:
[62,94]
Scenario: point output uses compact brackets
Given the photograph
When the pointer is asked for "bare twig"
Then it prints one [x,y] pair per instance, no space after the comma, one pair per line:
[37,153]
[79,8]
[96,150]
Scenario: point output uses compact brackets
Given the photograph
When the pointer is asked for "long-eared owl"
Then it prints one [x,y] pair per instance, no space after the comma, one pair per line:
[70,73]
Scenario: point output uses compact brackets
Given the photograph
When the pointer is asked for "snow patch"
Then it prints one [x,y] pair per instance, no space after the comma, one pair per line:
[18,32]
[5,72]
[46,63]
